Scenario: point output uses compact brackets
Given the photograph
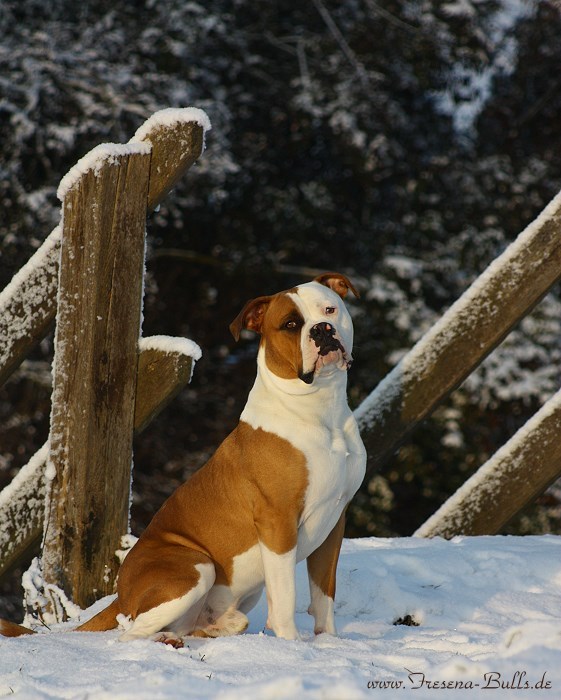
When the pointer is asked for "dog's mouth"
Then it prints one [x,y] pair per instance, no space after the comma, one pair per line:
[330,352]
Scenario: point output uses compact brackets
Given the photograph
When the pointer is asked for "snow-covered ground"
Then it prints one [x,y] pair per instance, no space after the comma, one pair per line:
[488,611]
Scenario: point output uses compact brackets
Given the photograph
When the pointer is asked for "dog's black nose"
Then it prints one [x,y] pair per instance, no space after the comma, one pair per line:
[321,332]
[323,335]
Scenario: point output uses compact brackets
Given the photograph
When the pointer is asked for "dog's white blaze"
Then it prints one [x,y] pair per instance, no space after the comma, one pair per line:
[179,615]
[322,610]
[312,299]
[321,425]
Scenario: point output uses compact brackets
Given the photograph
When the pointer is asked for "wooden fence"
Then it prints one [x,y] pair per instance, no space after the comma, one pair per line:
[89,273]
[508,290]
[75,490]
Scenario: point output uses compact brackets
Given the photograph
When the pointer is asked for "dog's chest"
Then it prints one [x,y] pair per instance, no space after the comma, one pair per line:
[330,486]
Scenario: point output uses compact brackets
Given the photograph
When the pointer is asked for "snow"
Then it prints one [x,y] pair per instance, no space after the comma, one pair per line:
[171,345]
[46,598]
[170,117]
[487,608]
[470,88]
[105,153]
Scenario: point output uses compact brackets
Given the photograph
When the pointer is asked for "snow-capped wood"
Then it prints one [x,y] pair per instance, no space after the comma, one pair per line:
[178,140]
[28,305]
[165,366]
[22,510]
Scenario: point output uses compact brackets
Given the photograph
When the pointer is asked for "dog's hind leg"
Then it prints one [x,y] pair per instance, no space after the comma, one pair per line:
[222,615]
[226,624]
[322,570]
[167,596]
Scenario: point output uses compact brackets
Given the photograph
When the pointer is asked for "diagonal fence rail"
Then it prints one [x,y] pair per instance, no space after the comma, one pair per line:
[504,293]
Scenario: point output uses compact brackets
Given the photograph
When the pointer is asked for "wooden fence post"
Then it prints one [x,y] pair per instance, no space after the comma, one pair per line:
[170,141]
[28,303]
[162,373]
[94,379]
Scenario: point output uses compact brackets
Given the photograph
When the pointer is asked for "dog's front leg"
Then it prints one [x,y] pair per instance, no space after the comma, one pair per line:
[281,590]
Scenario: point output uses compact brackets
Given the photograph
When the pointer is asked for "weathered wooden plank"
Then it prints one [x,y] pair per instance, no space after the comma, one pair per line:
[518,472]
[22,511]
[161,375]
[165,366]
[28,303]
[509,289]
[94,373]
[178,138]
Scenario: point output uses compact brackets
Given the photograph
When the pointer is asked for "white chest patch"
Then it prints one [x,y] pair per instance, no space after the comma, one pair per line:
[320,425]
[330,488]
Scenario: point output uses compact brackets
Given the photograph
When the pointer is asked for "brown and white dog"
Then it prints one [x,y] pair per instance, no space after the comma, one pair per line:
[274,493]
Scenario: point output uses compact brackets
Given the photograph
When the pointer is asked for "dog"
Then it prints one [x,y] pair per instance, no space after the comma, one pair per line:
[274,493]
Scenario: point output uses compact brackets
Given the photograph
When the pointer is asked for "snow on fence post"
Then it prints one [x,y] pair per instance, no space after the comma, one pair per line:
[178,139]
[94,375]
[516,474]
[164,368]
[28,303]
[503,294]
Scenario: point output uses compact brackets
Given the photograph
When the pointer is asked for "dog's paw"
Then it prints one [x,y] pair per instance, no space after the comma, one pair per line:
[227,625]
[171,639]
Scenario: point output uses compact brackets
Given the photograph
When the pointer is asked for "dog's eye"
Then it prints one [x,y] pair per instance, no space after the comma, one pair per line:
[330,310]
[291,324]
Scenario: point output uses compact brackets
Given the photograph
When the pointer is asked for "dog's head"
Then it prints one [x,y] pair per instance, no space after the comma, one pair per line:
[305,331]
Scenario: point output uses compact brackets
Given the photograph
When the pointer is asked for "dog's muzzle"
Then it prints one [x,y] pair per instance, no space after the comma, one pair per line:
[329,350]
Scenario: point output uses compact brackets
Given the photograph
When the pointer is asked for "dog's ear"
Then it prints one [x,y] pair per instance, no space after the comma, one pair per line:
[250,317]
[338,283]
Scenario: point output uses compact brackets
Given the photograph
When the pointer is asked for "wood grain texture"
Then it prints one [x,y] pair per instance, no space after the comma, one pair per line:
[94,375]
[174,150]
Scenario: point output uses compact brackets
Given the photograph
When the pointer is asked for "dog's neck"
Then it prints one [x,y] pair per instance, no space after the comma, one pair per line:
[322,402]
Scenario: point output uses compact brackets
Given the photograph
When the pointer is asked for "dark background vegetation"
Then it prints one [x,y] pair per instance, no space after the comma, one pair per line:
[404,143]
